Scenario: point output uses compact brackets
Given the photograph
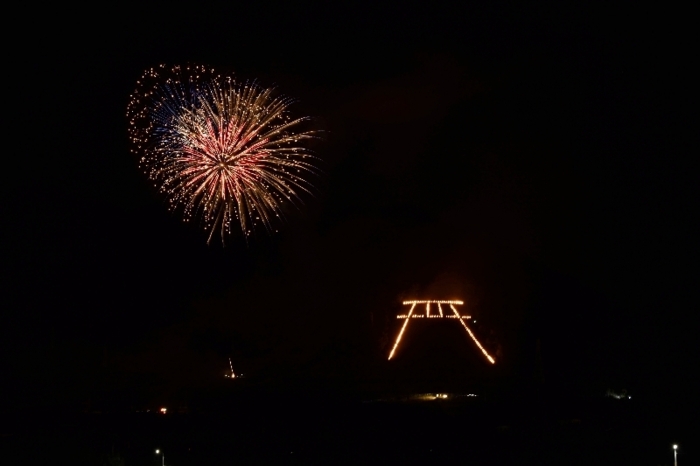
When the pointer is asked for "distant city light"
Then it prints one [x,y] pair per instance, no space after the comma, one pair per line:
[163,410]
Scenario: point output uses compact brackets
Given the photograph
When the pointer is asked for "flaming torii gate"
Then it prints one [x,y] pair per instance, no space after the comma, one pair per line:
[439,315]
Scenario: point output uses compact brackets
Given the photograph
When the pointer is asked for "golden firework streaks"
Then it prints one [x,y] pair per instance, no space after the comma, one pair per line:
[219,149]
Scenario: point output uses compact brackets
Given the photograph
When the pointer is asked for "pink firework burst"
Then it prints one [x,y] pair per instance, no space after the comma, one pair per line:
[218,149]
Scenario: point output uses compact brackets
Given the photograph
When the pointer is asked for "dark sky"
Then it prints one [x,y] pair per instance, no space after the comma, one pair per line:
[532,160]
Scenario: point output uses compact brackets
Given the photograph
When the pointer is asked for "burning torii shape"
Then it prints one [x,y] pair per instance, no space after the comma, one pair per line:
[440,315]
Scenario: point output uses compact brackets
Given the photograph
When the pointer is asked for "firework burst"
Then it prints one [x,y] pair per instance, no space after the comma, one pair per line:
[220,150]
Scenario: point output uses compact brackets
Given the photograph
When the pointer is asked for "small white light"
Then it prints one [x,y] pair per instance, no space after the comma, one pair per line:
[675,447]
[157,451]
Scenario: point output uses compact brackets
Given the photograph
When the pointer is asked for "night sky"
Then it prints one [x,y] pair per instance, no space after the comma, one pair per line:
[531,160]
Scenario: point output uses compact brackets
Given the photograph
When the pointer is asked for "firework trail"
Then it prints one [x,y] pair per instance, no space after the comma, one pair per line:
[219,149]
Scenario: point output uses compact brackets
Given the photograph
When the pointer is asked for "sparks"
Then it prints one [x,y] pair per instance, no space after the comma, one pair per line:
[219,149]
